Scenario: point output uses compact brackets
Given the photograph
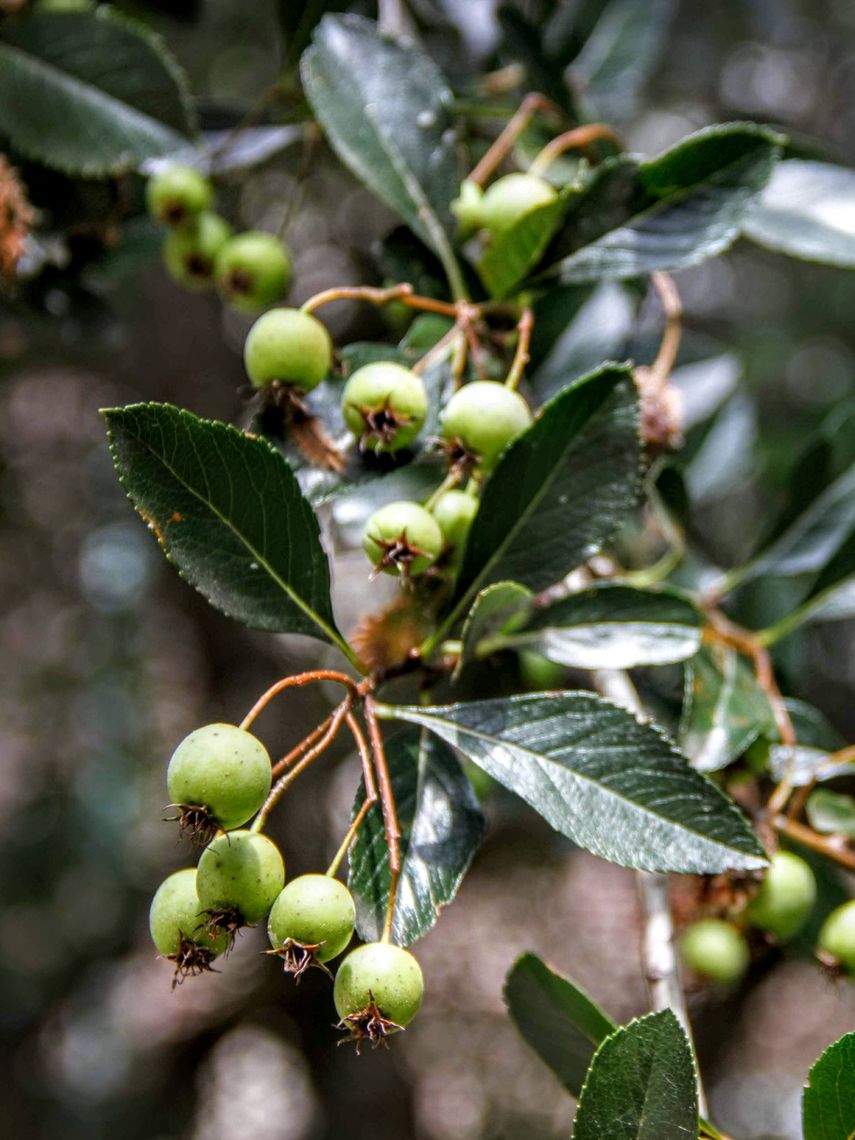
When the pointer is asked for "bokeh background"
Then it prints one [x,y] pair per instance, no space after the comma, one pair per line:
[108,659]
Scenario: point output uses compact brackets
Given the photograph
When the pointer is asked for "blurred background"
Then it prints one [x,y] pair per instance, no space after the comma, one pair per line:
[109,659]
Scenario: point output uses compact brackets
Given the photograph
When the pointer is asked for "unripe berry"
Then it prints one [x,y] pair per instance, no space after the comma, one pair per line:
[290,346]
[402,538]
[219,775]
[507,199]
[311,921]
[715,950]
[239,876]
[178,925]
[482,418]
[177,194]
[190,252]
[837,937]
[784,902]
[467,207]
[378,989]
[252,271]
[455,511]
[384,405]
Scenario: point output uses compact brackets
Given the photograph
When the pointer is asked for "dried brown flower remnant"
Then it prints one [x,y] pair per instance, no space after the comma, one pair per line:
[16,218]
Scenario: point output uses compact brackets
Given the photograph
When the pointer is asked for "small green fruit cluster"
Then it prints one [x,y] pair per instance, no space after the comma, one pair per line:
[250,270]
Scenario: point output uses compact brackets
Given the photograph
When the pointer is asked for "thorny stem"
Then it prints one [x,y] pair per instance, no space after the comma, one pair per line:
[512,130]
[390,815]
[521,356]
[298,680]
[577,139]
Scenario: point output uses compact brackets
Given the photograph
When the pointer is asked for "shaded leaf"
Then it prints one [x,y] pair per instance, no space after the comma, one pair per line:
[831,812]
[223,151]
[557,1019]
[228,511]
[442,827]
[828,1102]
[493,610]
[514,252]
[807,210]
[614,786]
[609,627]
[90,93]
[642,1084]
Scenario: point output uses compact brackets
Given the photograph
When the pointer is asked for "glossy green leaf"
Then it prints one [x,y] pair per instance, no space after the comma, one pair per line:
[228,511]
[560,489]
[726,709]
[614,786]
[808,211]
[828,1102]
[831,812]
[91,93]
[514,252]
[386,110]
[495,609]
[609,627]
[668,212]
[442,827]
[557,1019]
[620,55]
[642,1084]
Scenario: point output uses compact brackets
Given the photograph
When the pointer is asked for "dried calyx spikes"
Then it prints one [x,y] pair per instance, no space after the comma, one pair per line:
[402,538]
[384,405]
[298,957]
[194,823]
[368,1024]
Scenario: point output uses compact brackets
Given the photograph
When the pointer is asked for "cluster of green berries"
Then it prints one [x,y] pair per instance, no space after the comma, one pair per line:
[218,778]
[250,270]
[718,951]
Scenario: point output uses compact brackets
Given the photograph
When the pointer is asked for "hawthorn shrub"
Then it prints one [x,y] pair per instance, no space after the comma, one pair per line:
[530,503]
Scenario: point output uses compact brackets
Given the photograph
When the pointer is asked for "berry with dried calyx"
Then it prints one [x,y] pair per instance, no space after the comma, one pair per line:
[290,347]
[239,876]
[378,990]
[786,897]
[479,422]
[836,941]
[384,405]
[715,950]
[178,926]
[177,194]
[218,777]
[190,252]
[455,512]
[311,922]
[509,198]
[402,538]
[252,271]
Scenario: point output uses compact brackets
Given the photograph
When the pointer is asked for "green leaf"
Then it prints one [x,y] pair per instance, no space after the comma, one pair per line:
[807,211]
[612,785]
[514,252]
[91,93]
[493,611]
[666,213]
[442,827]
[620,55]
[560,489]
[557,1019]
[609,627]
[386,109]
[828,1102]
[642,1084]
[228,511]
[831,812]
[726,709]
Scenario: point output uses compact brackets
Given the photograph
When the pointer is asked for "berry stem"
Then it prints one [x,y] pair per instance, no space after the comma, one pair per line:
[448,484]
[387,798]
[834,847]
[285,763]
[352,831]
[298,680]
[525,326]
[579,138]
[403,292]
[502,145]
[440,349]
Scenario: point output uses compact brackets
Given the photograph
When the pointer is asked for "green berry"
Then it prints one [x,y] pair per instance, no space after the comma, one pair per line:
[539,673]
[384,405]
[178,925]
[508,199]
[290,346]
[454,511]
[402,538]
[177,194]
[787,896]
[715,950]
[837,936]
[190,252]
[482,418]
[239,876]
[252,271]
[314,914]
[467,207]
[219,775]
[378,989]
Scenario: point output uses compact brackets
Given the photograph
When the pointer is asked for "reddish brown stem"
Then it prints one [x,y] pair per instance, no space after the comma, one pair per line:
[514,127]
[297,681]
[521,356]
[285,763]
[577,139]
[833,847]
[387,799]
